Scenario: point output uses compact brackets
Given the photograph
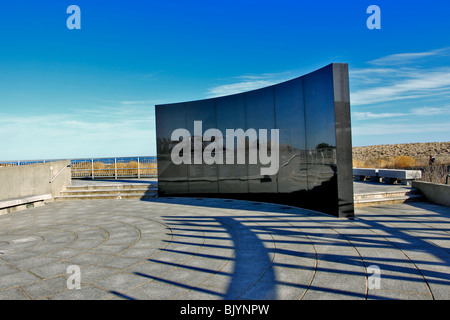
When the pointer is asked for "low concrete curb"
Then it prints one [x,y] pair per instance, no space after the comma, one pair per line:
[434,192]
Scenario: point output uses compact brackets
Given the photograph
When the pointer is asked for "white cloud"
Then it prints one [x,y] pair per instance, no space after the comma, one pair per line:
[402,76]
[418,84]
[430,111]
[249,82]
[370,76]
[239,87]
[370,115]
[421,112]
[405,58]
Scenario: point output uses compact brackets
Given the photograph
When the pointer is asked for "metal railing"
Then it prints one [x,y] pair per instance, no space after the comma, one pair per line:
[96,168]
[60,171]
[129,167]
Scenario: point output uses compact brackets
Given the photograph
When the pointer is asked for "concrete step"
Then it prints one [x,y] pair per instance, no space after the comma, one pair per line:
[113,186]
[140,191]
[108,191]
[105,196]
[383,198]
[381,195]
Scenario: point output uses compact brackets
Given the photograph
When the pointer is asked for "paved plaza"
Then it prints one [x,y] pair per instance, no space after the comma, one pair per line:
[195,248]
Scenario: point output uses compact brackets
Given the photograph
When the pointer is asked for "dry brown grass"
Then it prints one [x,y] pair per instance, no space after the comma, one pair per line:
[385,155]
[7,165]
[435,174]
[399,162]
[404,162]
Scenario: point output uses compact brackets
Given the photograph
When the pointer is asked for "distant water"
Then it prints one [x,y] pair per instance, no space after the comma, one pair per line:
[118,159]
[103,160]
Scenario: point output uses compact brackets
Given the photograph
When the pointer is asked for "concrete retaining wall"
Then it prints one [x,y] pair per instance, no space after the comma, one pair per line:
[434,192]
[33,179]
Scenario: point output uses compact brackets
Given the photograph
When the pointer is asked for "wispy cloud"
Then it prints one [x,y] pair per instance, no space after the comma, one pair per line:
[431,111]
[249,82]
[406,58]
[421,112]
[239,87]
[371,115]
[410,85]
[376,75]
[402,76]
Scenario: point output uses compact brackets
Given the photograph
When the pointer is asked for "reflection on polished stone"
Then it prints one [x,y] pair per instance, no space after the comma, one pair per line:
[311,115]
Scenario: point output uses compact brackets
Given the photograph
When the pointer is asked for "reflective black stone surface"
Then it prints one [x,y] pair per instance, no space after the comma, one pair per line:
[312,114]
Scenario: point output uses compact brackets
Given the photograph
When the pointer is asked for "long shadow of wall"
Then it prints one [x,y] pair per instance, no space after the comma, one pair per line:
[258,251]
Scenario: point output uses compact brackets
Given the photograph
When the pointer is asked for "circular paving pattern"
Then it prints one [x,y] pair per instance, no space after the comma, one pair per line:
[189,248]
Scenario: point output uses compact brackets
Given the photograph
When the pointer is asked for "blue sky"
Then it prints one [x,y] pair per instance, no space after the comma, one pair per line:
[91,92]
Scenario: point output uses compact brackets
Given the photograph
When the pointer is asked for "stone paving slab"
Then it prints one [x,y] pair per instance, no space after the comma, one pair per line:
[193,248]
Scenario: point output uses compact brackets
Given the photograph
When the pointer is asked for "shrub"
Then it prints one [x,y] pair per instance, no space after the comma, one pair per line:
[435,173]
[404,162]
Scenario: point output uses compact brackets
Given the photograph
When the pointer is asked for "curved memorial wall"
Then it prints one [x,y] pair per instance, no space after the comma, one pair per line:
[289,143]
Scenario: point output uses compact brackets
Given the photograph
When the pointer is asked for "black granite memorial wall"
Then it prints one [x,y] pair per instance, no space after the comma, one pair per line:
[289,143]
